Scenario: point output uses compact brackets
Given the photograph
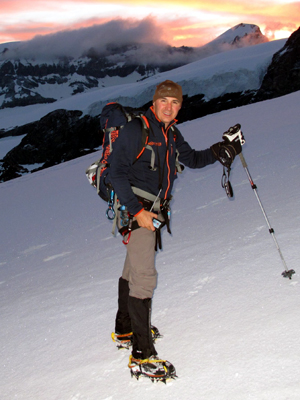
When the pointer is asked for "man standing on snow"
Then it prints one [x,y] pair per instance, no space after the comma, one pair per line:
[143,183]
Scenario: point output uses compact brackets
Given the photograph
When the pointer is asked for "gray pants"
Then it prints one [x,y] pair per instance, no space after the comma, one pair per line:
[139,267]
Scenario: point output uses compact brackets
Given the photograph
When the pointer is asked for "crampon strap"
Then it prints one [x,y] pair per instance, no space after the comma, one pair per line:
[145,361]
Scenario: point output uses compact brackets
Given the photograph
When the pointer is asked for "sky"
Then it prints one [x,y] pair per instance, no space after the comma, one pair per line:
[190,23]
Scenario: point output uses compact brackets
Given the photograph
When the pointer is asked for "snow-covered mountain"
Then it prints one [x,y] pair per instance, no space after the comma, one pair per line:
[230,320]
[219,82]
[241,35]
[30,75]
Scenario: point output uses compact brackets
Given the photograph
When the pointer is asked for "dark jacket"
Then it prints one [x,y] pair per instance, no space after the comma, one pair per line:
[127,170]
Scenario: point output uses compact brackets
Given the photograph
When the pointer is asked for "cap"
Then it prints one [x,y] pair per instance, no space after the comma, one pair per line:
[168,89]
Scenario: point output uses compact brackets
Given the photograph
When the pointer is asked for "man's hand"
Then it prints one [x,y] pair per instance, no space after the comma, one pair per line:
[145,219]
[226,151]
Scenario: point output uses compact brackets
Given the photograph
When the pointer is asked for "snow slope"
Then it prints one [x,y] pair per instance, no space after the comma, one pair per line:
[8,143]
[233,71]
[230,320]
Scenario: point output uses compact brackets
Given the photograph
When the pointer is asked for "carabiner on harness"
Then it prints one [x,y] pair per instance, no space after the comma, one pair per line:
[126,231]
[110,212]
[124,215]
[225,183]
[126,241]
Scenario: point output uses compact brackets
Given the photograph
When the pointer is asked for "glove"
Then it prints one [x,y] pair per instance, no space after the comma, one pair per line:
[226,151]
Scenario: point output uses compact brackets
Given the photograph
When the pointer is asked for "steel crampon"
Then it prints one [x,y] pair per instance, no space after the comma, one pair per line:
[155,369]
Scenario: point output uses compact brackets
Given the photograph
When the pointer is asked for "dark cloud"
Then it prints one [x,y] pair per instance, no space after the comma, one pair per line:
[101,38]
[129,41]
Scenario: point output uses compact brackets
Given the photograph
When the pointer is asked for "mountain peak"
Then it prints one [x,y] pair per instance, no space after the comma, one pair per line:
[241,35]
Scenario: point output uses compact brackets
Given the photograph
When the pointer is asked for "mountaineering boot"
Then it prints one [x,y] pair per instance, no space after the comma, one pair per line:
[144,360]
[123,331]
[124,340]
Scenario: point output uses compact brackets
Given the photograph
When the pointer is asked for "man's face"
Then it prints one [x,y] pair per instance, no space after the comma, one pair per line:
[166,109]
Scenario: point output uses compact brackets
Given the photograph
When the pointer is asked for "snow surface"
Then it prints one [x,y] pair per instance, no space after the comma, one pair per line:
[233,71]
[8,143]
[230,320]
[64,90]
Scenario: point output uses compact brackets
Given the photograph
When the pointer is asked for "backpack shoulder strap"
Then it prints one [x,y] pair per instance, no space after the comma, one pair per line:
[145,134]
[178,166]
[174,129]
[145,137]
[145,129]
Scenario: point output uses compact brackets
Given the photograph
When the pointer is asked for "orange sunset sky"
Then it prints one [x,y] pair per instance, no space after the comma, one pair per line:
[188,22]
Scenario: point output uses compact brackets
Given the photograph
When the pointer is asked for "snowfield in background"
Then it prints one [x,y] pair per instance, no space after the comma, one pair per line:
[233,71]
[230,320]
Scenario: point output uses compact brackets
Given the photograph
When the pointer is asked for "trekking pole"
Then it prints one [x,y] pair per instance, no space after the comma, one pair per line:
[288,272]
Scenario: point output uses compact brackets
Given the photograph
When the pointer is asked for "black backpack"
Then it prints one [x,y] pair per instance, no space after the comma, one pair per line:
[112,119]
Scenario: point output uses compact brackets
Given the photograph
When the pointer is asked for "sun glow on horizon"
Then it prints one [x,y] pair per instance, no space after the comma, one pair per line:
[283,34]
[178,23]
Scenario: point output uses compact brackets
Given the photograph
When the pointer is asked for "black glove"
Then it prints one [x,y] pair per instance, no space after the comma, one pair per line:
[226,151]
